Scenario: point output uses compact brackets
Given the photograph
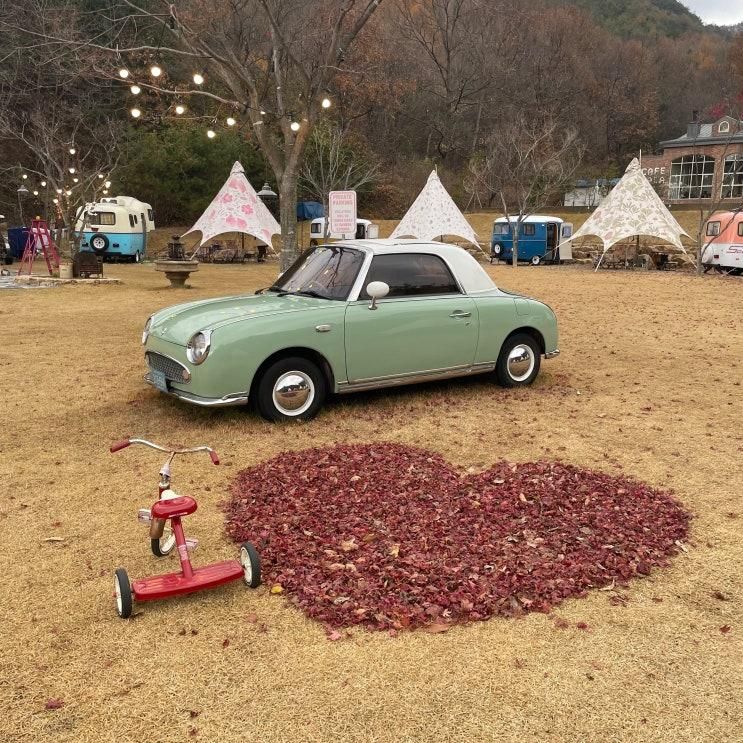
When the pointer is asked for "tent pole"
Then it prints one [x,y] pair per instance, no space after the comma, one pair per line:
[598,265]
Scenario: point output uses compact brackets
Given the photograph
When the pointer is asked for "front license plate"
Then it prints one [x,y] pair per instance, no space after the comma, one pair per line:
[158,379]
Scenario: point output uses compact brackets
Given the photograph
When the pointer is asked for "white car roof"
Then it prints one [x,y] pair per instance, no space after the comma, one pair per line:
[531,218]
[468,271]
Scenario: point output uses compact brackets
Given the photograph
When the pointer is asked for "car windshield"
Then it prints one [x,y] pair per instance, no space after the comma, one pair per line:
[327,272]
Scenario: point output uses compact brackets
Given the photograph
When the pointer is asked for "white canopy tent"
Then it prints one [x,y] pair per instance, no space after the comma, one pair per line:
[632,208]
[434,213]
[236,208]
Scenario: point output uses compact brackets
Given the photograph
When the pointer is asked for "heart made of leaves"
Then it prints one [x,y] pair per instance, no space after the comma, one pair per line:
[390,536]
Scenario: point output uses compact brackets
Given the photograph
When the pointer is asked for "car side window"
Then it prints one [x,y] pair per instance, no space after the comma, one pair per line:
[411,275]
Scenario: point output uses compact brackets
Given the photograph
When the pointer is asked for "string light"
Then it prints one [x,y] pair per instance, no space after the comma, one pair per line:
[136,90]
[155,71]
[198,79]
[72,171]
[55,201]
[59,190]
[24,176]
[105,191]
[263,113]
[326,103]
[136,113]
[75,179]
[72,150]
[107,184]
[68,193]
[36,193]
[294,126]
[230,121]
[123,73]
[43,183]
[210,133]
[180,109]
[101,176]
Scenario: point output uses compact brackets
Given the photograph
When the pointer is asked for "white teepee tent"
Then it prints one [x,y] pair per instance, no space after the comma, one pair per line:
[632,208]
[434,213]
[236,208]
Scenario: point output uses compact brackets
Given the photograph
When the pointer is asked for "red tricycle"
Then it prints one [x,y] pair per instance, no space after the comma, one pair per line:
[172,507]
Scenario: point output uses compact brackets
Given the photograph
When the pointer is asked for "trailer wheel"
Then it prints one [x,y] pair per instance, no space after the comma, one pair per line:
[536,260]
[99,243]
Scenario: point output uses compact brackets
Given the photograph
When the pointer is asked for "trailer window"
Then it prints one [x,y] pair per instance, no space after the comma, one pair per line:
[501,229]
[150,215]
[529,229]
[713,229]
[102,218]
[740,229]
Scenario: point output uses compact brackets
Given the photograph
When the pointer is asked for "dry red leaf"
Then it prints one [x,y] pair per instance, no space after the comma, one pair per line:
[54,704]
[725,629]
[391,537]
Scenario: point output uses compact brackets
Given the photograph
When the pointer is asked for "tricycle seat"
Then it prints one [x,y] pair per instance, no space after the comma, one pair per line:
[171,508]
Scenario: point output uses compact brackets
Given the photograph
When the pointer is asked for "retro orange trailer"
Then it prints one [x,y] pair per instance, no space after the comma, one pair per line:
[723,246]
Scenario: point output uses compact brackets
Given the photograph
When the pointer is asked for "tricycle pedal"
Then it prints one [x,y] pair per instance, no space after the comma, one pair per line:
[144,516]
[191,544]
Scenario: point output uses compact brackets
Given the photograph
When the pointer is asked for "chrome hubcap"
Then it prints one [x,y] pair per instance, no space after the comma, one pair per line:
[293,393]
[520,362]
[98,243]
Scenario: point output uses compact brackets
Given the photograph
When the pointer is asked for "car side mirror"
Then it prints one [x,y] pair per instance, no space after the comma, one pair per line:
[377,290]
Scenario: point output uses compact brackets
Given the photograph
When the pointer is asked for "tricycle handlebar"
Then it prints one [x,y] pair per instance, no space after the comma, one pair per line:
[127,442]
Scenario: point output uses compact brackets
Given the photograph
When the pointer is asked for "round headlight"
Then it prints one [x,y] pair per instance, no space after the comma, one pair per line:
[198,347]
[146,330]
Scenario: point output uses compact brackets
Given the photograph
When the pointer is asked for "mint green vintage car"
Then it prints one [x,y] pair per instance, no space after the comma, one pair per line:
[354,315]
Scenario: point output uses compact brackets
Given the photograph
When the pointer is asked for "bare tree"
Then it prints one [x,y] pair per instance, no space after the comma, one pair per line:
[271,62]
[331,164]
[525,164]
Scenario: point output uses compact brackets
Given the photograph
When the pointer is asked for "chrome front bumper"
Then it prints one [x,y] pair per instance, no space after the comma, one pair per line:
[552,354]
[236,398]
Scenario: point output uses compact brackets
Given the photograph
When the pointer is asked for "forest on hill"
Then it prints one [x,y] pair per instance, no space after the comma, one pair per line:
[426,83]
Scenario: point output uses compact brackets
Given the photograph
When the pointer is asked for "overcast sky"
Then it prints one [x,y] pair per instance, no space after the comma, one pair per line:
[720,12]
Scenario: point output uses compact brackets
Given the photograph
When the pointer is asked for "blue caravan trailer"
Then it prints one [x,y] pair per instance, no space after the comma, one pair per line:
[541,240]
[116,228]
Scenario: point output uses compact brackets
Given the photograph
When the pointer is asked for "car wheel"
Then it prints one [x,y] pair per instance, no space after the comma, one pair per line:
[291,389]
[137,257]
[99,243]
[519,361]
[536,260]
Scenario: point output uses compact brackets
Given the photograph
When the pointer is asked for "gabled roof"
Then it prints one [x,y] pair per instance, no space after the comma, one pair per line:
[707,136]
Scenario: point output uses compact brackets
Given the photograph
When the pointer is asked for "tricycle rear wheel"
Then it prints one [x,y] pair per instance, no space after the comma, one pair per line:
[123,592]
[251,562]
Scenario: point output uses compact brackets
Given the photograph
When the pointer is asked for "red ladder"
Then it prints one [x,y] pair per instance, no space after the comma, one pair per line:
[39,238]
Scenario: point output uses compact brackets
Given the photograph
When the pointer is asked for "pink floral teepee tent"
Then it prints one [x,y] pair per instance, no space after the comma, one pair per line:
[434,213]
[236,208]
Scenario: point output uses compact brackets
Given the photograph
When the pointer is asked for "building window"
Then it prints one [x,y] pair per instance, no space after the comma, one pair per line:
[724,127]
[732,177]
[691,177]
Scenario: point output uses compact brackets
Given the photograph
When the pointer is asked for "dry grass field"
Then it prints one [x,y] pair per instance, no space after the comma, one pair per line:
[648,384]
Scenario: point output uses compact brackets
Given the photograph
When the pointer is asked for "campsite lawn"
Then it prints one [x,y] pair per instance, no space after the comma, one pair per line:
[648,385]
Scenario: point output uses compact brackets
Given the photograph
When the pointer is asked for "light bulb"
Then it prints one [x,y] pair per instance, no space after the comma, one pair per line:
[107,184]
[72,170]
[69,193]
[180,109]
[55,201]
[59,190]
[105,191]
[263,113]
[230,121]
[36,193]
[123,73]
[24,176]
[43,183]
[198,79]
[155,71]
[294,126]
[136,113]
[101,176]
[136,90]
[75,179]
[72,150]
[326,103]
[210,133]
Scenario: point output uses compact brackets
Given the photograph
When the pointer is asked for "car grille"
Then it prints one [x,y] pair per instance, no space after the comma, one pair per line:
[172,370]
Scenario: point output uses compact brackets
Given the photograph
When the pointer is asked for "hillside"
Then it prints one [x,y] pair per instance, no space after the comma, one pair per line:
[642,17]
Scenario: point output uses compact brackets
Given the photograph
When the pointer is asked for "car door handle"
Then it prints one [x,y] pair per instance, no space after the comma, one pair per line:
[460,313]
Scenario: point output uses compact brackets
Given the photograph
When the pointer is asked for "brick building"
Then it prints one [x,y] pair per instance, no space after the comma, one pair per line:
[702,165]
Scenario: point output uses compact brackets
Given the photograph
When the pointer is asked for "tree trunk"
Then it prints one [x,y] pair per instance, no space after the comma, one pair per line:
[515,255]
[288,219]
